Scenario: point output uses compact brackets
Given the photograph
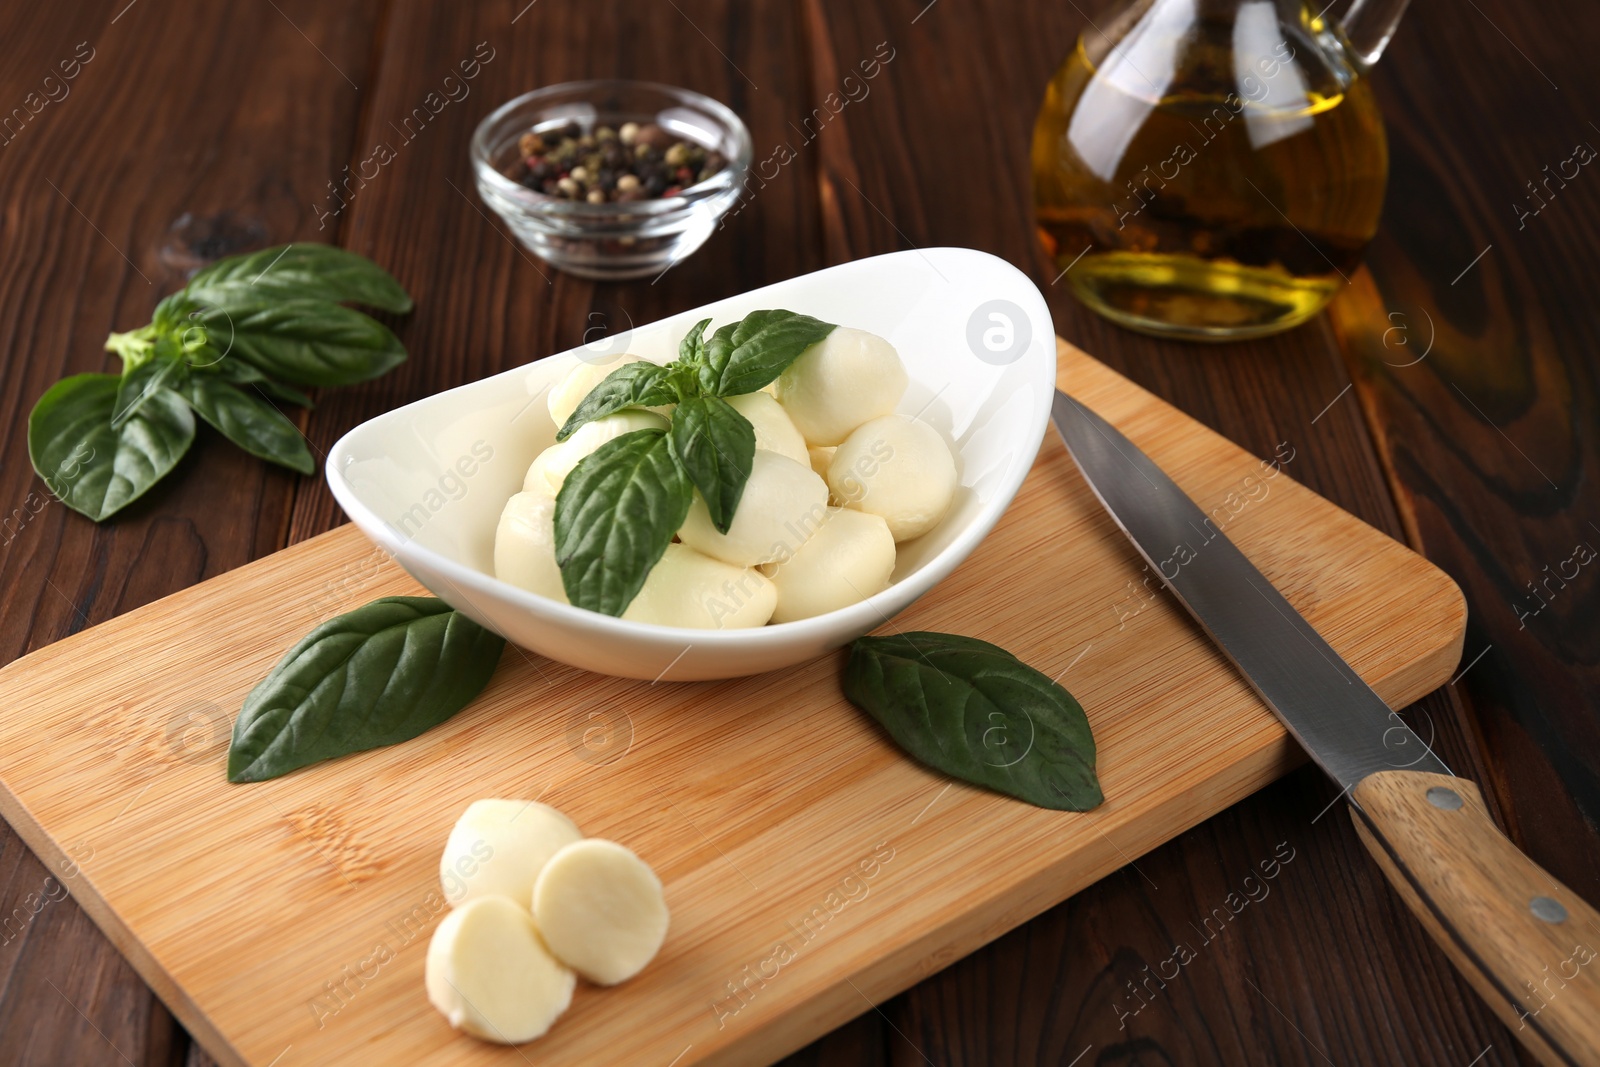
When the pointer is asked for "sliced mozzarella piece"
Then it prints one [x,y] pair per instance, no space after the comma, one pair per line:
[498,848]
[849,559]
[686,588]
[551,467]
[568,393]
[840,382]
[525,545]
[490,974]
[783,504]
[775,431]
[898,468]
[601,910]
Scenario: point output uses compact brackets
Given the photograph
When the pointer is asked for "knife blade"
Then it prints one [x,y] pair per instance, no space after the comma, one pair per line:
[1504,921]
[1336,717]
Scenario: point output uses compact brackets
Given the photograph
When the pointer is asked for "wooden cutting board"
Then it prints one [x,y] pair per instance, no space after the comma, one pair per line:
[811,869]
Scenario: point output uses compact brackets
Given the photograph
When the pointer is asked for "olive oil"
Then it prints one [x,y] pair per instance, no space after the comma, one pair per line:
[1227,196]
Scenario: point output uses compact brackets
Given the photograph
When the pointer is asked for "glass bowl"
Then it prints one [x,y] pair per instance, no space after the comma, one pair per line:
[619,239]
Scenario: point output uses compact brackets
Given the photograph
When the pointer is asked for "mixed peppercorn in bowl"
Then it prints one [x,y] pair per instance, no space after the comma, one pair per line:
[611,179]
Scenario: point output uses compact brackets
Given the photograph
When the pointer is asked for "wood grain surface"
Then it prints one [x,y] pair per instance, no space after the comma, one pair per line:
[238,117]
[191,131]
[754,798]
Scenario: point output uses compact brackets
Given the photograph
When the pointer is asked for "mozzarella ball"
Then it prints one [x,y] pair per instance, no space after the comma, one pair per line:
[775,431]
[898,468]
[849,559]
[839,383]
[525,545]
[783,503]
[601,910]
[489,972]
[498,847]
[569,392]
[551,467]
[688,589]
[819,457]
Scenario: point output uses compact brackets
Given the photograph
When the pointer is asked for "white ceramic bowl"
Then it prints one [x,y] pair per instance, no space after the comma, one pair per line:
[427,481]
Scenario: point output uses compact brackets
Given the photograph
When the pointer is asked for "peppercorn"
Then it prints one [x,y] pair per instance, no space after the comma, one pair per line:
[627,163]
[655,136]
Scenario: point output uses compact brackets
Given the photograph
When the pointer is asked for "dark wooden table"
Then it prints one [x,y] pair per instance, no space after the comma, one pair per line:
[195,129]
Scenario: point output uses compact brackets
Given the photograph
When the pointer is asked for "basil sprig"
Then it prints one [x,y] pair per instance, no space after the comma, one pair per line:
[621,505]
[978,713]
[223,348]
[375,676]
[615,517]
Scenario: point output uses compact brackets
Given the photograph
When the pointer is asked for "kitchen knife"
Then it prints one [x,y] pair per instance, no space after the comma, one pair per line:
[1528,944]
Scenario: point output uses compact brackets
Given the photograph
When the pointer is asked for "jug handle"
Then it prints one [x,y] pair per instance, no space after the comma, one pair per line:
[1367,27]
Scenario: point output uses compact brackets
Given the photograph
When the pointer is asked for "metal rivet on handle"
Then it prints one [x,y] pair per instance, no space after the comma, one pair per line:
[1443,798]
[1547,910]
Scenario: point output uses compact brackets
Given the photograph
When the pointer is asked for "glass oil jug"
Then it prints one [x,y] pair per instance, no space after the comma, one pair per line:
[1213,169]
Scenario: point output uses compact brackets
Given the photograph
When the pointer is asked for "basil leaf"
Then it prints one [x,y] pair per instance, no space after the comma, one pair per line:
[303,271]
[632,385]
[240,373]
[745,356]
[375,676]
[249,422]
[976,712]
[306,342]
[615,515]
[692,349]
[140,383]
[91,467]
[717,447]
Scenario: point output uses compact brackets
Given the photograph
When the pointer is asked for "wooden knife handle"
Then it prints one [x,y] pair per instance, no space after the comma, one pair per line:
[1528,944]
